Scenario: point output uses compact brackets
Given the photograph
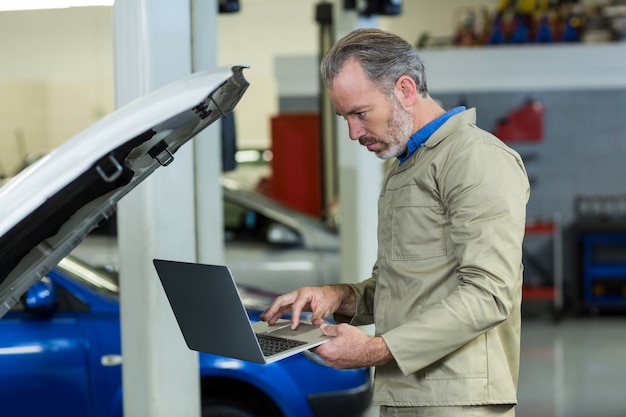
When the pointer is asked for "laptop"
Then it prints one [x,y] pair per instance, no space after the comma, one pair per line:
[213,319]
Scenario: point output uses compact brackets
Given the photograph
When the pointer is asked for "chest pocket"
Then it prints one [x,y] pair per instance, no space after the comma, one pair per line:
[418,232]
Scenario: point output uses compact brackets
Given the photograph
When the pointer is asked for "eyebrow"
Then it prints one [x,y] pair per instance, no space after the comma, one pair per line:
[353,111]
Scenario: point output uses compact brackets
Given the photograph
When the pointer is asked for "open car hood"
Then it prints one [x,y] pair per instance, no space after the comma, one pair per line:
[48,208]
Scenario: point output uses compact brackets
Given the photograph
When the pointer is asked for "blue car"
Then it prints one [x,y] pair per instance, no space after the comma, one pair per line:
[60,355]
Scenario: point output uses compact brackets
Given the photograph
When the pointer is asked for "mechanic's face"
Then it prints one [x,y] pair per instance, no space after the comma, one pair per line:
[380,124]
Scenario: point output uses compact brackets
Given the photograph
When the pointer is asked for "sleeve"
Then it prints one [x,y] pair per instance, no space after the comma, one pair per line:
[364,292]
[484,189]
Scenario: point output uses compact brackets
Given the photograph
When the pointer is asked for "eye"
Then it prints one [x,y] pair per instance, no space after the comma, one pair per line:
[360,114]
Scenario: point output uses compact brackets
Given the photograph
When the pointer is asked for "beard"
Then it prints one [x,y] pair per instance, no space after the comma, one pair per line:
[399,130]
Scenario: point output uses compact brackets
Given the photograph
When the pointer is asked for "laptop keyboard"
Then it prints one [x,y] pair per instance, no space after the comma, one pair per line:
[271,345]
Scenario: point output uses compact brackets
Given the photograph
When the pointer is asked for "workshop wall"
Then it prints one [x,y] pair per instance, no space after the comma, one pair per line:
[582,149]
[69,52]
[56,79]
[581,153]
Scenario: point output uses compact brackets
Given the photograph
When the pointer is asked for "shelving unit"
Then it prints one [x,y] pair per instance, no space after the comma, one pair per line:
[526,67]
[604,269]
[553,292]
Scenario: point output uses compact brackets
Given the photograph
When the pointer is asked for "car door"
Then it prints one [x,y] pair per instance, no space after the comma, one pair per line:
[266,253]
[43,364]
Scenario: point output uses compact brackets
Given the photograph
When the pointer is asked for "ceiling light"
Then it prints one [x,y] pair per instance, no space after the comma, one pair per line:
[14,5]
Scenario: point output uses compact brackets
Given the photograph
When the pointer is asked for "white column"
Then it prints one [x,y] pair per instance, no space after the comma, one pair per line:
[360,179]
[156,220]
[207,145]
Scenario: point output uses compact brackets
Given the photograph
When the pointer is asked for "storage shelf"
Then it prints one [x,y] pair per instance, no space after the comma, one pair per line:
[526,67]
[604,278]
[554,292]
[538,293]
[607,301]
[603,271]
[541,227]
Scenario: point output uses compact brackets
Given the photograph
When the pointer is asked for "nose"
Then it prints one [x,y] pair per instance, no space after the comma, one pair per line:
[355,129]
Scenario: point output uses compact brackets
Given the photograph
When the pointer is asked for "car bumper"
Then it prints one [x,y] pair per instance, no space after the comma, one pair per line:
[349,403]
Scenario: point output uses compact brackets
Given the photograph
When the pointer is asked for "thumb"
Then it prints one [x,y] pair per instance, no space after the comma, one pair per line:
[329,329]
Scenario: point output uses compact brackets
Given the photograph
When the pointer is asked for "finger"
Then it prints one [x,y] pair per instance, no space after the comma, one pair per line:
[299,305]
[272,318]
[318,321]
[296,310]
[268,316]
[278,308]
[329,329]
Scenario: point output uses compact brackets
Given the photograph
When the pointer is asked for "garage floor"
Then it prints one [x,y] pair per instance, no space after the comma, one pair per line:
[575,368]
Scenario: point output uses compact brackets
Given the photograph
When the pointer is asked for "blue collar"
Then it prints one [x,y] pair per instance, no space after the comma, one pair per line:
[425,132]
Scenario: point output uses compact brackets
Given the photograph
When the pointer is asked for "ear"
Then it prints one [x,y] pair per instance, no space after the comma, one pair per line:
[406,90]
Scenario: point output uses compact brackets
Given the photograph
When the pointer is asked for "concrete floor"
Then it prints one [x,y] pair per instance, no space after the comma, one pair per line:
[573,368]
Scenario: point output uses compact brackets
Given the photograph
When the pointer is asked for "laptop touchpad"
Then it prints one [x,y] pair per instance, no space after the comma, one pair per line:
[286,331]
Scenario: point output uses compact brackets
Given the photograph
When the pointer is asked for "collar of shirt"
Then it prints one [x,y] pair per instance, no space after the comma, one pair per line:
[425,132]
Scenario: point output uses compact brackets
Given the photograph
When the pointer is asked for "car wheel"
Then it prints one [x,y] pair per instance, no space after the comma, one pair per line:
[224,410]
[226,397]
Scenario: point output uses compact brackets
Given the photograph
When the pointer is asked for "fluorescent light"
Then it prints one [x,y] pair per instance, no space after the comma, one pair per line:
[13,5]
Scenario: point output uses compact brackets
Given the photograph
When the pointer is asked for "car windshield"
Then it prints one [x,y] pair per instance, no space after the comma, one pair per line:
[101,281]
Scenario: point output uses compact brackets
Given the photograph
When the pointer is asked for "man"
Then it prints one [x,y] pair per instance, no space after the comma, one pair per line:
[445,291]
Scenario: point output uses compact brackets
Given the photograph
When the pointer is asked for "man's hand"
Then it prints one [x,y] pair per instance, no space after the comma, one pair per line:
[323,301]
[351,348]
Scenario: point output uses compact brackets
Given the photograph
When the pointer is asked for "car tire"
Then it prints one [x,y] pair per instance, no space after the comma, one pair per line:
[227,397]
[217,409]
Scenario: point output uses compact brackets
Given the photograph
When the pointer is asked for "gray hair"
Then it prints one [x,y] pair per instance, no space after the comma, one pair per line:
[384,57]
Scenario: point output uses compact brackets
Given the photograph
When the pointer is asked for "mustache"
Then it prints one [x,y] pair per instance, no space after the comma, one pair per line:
[366,140]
